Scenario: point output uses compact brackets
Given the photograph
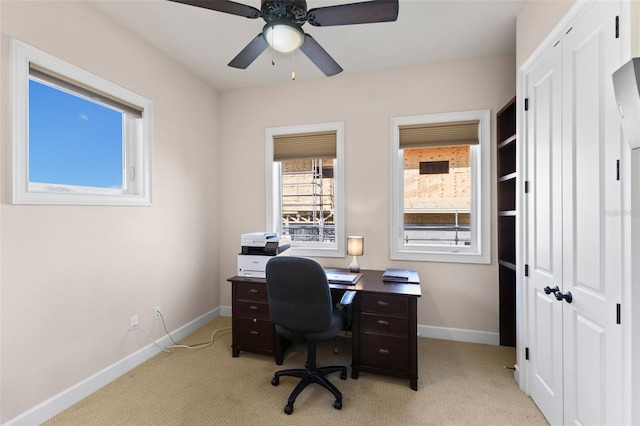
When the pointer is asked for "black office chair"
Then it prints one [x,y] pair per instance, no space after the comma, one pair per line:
[302,311]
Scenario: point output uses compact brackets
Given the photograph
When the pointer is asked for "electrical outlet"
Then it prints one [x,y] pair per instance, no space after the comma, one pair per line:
[156,313]
[134,322]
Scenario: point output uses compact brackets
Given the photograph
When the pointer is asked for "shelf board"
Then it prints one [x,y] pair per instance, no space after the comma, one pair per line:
[506,264]
[507,213]
[507,177]
[507,141]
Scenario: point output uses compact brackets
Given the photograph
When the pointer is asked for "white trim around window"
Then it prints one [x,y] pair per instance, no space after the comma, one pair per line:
[479,250]
[273,201]
[137,135]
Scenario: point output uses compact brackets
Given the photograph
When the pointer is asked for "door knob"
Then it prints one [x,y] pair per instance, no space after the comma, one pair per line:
[549,290]
[567,296]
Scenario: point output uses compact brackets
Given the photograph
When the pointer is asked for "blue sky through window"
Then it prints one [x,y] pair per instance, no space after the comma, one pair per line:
[73,141]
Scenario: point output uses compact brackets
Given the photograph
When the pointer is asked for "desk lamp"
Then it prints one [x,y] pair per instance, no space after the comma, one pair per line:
[355,247]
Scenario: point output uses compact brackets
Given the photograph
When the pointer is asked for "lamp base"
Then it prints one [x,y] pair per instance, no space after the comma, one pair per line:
[354,266]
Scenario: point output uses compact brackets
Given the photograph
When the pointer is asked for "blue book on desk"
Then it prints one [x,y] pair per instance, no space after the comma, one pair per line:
[397,275]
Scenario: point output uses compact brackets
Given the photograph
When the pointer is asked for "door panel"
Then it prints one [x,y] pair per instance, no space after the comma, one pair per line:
[589,343]
[591,220]
[547,368]
[544,231]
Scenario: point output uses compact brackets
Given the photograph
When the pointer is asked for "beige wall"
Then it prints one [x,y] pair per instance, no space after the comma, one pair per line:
[72,276]
[453,295]
[535,21]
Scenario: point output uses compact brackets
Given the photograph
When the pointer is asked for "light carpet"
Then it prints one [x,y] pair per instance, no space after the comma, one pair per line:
[459,384]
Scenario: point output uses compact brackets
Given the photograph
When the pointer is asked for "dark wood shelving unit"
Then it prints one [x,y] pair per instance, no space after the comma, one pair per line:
[507,214]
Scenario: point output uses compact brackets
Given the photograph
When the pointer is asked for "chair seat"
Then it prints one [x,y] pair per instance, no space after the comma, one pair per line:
[337,324]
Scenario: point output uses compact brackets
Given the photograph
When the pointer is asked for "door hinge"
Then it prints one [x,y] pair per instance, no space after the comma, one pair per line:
[526,104]
[618,314]
[526,353]
[617,27]
[526,186]
[617,169]
[526,270]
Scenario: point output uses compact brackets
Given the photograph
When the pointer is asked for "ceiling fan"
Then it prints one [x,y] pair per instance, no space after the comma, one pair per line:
[284,20]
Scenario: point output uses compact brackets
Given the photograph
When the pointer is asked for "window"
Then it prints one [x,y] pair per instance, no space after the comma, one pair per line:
[434,167]
[77,139]
[441,187]
[305,187]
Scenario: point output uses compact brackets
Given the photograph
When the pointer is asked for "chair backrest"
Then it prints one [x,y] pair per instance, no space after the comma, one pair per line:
[299,294]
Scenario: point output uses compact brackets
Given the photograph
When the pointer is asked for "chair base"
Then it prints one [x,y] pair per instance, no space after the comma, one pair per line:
[311,374]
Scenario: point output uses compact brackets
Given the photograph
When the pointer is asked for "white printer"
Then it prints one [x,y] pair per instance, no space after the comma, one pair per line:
[257,250]
[264,243]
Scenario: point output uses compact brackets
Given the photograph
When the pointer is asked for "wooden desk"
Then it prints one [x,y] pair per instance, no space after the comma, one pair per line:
[384,328]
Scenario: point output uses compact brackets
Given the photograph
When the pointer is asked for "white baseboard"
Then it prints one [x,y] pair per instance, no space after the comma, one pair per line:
[56,404]
[459,335]
[225,311]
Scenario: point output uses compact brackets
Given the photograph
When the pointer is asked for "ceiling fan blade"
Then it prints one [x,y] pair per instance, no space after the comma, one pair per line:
[225,6]
[249,53]
[354,13]
[319,56]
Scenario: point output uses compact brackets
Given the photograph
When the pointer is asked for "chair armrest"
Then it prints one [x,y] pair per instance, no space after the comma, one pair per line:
[347,298]
[345,305]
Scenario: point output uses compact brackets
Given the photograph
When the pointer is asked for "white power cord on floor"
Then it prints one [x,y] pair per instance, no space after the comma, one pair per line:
[177,345]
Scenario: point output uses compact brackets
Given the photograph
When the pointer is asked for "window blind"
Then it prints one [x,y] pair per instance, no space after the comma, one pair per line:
[302,146]
[82,89]
[439,134]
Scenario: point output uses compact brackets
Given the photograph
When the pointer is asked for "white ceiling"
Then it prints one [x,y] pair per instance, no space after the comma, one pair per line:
[427,31]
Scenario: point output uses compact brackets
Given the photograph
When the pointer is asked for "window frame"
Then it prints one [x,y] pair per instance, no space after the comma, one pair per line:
[480,249]
[137,137]
[273,196]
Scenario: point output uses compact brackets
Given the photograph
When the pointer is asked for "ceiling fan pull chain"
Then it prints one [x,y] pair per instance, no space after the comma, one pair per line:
[293,60]
[273,62]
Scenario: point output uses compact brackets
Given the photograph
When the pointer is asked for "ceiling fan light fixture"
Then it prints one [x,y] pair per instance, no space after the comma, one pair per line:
[283,36]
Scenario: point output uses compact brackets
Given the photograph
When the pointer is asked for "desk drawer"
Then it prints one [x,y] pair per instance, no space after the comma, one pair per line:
[384,304]
[250,308]
[384,323]
[384,352]
[254,333]
[251,291]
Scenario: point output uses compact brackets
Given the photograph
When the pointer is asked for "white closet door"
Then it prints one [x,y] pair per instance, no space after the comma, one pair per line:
[574,227]
[544,234]
[591,220]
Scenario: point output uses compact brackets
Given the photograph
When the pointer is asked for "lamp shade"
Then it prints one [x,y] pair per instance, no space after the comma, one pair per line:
[355,246]
[283,36]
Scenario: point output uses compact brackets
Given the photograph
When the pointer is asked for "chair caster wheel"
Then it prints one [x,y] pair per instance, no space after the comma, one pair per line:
[288,409]
[336,350]
[343,375]
[338,404]
[275,381]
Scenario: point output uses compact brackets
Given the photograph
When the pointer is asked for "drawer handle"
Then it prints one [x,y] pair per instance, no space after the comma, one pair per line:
[384,352]
[253,290]
[255,333]
[383,322]
[253,308]
[382,304]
